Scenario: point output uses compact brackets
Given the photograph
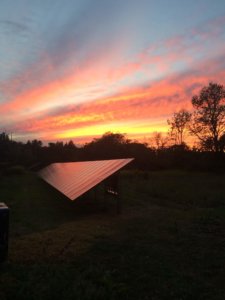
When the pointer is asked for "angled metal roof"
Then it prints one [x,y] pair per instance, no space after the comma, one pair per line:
[73,179]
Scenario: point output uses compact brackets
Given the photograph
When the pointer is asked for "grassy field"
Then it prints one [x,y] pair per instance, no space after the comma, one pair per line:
[169,242]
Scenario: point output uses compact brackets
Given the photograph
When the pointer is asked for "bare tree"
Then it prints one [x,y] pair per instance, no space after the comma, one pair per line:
[179,126]
[208,122]
[159,141]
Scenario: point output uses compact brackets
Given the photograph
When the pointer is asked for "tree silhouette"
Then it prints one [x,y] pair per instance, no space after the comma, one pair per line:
[4,146]
[159,141]
[208,123]
[179,126]
[110,145]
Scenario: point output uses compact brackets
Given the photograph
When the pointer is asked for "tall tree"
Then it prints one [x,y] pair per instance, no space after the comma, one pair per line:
[208,123]
[179,126]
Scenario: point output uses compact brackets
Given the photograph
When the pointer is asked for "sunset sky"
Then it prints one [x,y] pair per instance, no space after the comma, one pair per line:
[76,69]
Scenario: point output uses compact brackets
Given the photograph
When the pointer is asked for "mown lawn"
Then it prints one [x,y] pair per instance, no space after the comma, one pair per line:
[169,242]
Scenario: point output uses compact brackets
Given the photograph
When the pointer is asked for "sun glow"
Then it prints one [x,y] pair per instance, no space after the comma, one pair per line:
[132,129]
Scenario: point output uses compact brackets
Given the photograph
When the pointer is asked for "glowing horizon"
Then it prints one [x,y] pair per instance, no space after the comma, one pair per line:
[104,66]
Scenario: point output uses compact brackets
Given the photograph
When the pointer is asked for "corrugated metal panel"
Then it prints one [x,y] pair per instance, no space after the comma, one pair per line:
[75,178]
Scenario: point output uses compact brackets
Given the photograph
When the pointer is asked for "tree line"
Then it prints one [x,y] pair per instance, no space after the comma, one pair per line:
[206,123]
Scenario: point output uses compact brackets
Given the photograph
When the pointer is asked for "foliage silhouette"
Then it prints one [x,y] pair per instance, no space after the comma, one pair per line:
[34,155]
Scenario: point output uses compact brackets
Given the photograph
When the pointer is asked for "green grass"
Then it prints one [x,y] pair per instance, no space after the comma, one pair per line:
[169,243]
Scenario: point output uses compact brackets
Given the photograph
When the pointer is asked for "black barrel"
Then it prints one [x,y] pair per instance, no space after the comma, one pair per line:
[4,230]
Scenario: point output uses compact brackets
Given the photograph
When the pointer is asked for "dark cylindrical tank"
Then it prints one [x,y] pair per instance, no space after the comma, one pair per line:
[4,231]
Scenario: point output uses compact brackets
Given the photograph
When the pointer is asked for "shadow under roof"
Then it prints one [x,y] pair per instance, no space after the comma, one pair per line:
[73,179]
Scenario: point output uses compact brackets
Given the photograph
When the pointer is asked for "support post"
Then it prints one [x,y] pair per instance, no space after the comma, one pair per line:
[4,231]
